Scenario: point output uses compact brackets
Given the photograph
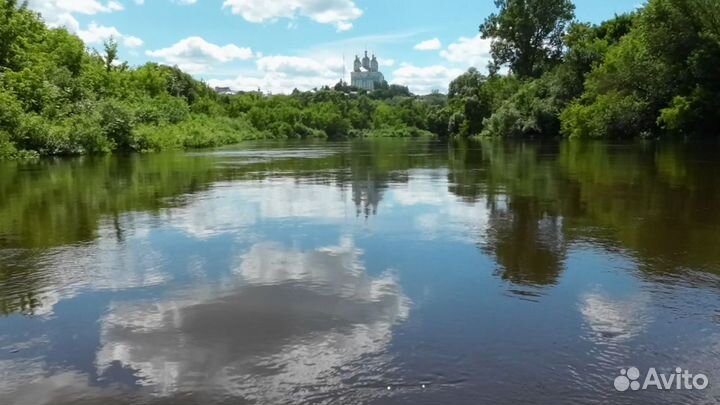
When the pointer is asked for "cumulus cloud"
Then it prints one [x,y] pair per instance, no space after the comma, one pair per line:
[282,74]
[115,6]
[423,80]
[429,45]
[195,54]
[469,52]
[339,13]
[133,42]
[186,2]
[52,9]
[61,13]
[97,34]
[298,65]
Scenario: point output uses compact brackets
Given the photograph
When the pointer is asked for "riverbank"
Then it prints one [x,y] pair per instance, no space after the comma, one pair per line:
[199,132]
[58,98]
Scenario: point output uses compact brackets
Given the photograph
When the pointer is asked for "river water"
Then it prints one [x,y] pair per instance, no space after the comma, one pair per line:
[363,272]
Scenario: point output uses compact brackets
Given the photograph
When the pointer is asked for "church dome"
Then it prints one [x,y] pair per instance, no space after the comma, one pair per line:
[366,61]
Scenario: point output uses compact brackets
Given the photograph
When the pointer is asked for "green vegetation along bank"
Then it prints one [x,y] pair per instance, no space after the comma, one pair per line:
[58,98]
[651,73]
[654,72]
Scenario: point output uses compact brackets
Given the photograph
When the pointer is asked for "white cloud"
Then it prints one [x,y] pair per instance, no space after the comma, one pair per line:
[317,66]
[51,9]
[96,34]
[133,42]
[469,52]
[115,6]
[429,45]
[423,80]
[186,2]
[60,13]
[339,13]
[299,65]
[283,74]
[195,54]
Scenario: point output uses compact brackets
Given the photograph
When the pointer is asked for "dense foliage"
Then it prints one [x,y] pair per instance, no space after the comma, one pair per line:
[649,73]
[57,98]
[527,34]
[654,72]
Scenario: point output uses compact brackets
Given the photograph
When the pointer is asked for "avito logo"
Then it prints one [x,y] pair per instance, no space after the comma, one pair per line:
[629,379]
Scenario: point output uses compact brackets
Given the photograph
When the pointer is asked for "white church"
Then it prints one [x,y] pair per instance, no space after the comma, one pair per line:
[366,74]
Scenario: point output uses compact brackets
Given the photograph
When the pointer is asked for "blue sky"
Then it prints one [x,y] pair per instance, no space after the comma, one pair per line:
[278,45]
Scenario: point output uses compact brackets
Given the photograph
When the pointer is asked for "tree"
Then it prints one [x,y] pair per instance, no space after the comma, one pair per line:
[111,53]
[527,35]
[661,77]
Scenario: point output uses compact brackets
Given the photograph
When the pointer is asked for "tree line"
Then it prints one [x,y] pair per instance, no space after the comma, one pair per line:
[59,98]
[649,73]
[652,72]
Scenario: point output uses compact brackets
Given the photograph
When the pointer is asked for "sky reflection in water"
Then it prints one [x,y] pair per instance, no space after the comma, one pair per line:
[313,274]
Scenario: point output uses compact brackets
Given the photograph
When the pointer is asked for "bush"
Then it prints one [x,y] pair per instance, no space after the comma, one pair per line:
[611,115]
[282,130]
[9,152]
[35,133]
[117,121]
[7,147]
[172,109]
[387,132]
[86,135]
[677,116]
[208,107]
[532,110]
[304,131]
[10,111]
[196,132]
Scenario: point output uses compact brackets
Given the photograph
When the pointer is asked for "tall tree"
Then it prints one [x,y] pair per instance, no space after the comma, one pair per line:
[111,53]
[527,35]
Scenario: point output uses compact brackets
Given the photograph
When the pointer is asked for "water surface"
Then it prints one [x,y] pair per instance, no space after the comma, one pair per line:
[365,272]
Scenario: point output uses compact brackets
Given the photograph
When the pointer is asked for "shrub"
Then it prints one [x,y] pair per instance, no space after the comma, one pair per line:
[611,115]
[86,135]
[304,131]
[172,109]
[532,110]
[117,122]
[10,111]
[35,133]
[196,132]
[7,147]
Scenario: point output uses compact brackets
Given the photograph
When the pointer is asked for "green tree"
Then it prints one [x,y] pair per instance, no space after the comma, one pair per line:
[111,53]
[527,35]
[664,76]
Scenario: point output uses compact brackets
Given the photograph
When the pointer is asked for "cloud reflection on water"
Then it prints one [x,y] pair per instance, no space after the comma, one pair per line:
[297,325]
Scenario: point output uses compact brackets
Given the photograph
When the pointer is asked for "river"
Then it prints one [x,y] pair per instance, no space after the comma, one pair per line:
[361,272]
